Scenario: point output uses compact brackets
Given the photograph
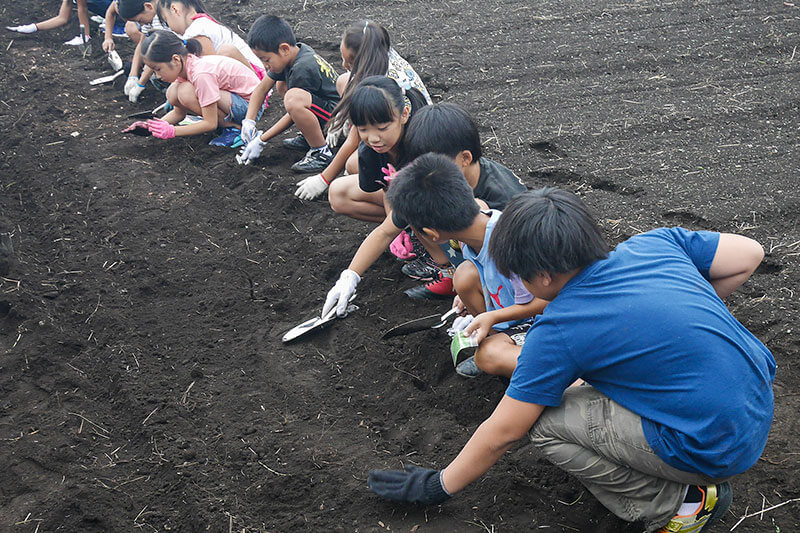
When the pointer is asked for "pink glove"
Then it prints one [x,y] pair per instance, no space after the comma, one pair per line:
[161,129]
[138,128]
[401,246]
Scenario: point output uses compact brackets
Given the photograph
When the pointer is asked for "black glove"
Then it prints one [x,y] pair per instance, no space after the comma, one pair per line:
[413,485]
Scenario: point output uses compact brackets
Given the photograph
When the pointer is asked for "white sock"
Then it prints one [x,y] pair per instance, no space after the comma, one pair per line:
[689,508]
[24,28]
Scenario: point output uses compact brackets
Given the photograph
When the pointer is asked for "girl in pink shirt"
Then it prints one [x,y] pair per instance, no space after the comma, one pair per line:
[217,88]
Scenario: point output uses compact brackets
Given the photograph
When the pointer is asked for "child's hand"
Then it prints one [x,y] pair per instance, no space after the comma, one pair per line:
[138,128]
[136,90]
[412,485]
[402,247]
[108,45]
[252,151]
[311,187]
[458,304]
[248,130]
[161,129]
[460,324]
[480,326]
[132,82]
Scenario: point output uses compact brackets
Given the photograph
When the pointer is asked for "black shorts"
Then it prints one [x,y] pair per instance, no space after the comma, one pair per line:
[518,333]
[322,110]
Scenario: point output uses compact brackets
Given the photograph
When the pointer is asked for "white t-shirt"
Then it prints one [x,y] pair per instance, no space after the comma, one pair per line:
[204,26]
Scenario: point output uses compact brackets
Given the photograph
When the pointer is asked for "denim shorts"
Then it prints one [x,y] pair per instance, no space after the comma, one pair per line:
[239,109]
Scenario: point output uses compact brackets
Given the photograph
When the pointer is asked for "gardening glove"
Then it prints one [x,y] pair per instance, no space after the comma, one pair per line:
[412,485]
[402,247]
[248,130]
[460,324]
[335,134]
[252,151]
[138,128]
[311,187]
[132,82]
[340,294]
[161,129]
[136,90]
[24,28]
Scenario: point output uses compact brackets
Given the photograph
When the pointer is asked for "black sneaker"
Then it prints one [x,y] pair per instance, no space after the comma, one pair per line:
[423,268]
[299,143]
[314,162]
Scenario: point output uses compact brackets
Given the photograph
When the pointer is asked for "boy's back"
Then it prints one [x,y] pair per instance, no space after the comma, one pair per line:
[497,184]
[647,329]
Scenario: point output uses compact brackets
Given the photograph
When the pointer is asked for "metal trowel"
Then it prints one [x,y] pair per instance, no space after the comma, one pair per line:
[315,324]
[421,324]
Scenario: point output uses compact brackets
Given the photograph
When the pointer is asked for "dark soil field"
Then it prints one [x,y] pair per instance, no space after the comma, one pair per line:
[143,382]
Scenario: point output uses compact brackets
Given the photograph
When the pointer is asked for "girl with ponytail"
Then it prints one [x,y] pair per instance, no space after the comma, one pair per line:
[366,51]
[215,87]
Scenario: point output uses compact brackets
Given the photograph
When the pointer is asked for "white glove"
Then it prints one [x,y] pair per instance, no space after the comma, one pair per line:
[333,136]
[248,130]
[132,82]
[24,28]
[340,294]
[460,324]
[136,90]
[311,187]
[252,150]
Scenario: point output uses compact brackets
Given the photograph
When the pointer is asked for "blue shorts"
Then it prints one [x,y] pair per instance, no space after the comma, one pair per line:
[239,109]
[98,7]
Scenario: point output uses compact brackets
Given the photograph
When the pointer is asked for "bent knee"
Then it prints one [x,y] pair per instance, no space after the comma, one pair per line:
[466,277]
[296,100]
[494,352]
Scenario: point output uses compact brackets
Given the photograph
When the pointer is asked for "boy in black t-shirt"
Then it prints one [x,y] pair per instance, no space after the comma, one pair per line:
[308,85]
[448,129]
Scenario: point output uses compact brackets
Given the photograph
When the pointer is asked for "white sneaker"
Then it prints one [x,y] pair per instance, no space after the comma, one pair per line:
[24,28]
[77,41]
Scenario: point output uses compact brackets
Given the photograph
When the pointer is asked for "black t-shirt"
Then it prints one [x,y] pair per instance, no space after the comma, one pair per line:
[497,185]
[373,169]
[310,72]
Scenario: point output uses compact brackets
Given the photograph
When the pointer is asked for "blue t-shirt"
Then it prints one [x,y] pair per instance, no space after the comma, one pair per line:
[498,291]
[645,328]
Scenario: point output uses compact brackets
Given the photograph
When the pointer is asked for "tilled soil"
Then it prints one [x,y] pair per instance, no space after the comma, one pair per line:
[144,385]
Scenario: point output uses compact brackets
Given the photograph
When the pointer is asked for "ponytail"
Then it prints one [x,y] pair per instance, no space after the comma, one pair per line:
[371,44]
[161,45]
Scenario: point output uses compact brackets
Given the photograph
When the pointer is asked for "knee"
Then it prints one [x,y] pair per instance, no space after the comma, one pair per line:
[491,353]
[338,197]
[132,31]
[341,83]
[466,277]
[172,94]
[185,93]
[351,167]
[296,100]
[280,86]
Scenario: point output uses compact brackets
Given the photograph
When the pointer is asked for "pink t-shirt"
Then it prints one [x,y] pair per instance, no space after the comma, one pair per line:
[213,73]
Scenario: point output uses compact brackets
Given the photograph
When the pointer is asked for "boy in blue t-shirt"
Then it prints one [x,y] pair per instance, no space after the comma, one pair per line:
[680,393]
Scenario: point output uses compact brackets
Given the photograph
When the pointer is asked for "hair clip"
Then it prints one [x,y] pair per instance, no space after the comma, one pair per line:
[364,31]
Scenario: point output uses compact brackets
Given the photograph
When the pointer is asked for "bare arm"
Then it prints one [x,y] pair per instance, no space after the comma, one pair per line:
[258,96]
[509,422]
[335,167]
[208,46]
[374,245]
[484,322]
[111,19]
[736,259]
[209,123]
[279,127]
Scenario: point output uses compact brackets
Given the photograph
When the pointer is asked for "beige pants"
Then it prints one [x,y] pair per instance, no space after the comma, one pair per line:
[602,444]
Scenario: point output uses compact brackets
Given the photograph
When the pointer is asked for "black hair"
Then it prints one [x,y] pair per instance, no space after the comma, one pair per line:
[431,192]
[546,230]
[161,45]
[377,100]
[370,42]
[269,32]
[444,129]
[164,5]
[128,9]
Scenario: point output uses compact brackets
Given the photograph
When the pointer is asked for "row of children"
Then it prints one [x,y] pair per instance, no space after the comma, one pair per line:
[633,376]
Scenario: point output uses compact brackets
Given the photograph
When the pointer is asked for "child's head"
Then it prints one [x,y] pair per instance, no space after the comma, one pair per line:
[137,10]
[272,40]
[165,53]
[546,231]
[431,193]
[365,52]
[380,109]
[178,13]
[444,129]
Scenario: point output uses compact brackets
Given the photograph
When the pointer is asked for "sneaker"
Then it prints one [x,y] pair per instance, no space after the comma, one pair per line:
[299,143]
[423,268]
[715,503]
[78,40]
[437,289]
[468,369]
[229,138]
[314,162]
